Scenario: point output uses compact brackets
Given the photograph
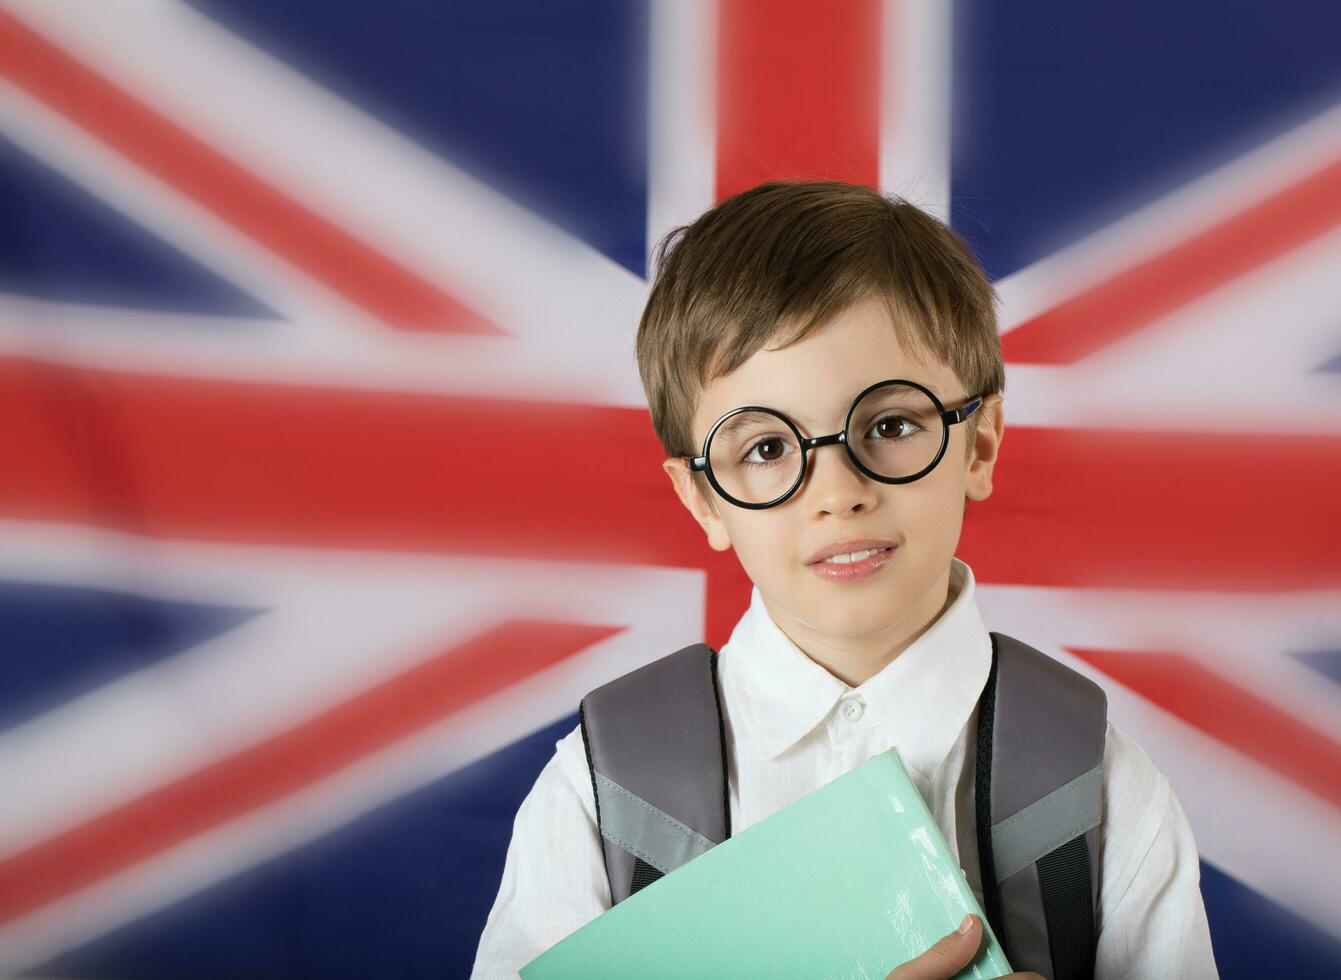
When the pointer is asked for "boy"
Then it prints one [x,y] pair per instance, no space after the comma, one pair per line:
[839,310]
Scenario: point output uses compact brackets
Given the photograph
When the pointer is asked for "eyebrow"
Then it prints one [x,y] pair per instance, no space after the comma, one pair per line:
[737,421]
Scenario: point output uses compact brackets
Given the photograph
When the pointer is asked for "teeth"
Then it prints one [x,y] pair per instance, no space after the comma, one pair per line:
[853,556]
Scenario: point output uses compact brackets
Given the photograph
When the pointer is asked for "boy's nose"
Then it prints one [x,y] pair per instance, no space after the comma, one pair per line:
[833,484]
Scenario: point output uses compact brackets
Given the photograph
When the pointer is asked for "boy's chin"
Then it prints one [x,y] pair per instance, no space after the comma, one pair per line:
[853,613]
[855,608]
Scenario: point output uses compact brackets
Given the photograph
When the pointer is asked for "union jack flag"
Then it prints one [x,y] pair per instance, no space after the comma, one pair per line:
[328,482]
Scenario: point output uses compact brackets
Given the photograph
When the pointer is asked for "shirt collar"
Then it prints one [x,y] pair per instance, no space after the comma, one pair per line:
[922,698]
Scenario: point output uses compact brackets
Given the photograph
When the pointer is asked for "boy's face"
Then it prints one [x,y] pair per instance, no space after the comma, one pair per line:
[813,382]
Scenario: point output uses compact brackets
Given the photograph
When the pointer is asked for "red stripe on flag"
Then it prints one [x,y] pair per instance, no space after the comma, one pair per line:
[1227,712]
[1167,510]
[216,460]
[355,270]
[798,92]
[248,462]
[1181,274]
[288,762]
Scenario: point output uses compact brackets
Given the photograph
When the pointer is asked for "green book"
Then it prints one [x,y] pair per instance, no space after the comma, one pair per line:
[849,881]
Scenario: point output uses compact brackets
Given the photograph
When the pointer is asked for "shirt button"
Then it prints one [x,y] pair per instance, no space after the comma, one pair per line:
[852,709]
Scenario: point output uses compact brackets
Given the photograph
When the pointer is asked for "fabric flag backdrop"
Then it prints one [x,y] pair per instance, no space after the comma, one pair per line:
[328,484]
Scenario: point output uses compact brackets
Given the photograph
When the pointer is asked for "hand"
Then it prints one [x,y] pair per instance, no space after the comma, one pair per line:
[947,957]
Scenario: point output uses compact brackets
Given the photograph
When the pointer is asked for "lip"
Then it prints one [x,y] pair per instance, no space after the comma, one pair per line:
[852,544]
[854,570]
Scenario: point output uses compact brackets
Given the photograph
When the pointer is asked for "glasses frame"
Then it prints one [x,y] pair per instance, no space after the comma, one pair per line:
[949,417]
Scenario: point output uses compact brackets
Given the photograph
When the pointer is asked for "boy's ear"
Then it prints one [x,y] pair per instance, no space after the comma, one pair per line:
[704,511]
[990,428]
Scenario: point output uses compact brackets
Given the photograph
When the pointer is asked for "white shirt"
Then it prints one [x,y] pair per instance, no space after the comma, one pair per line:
[791,728]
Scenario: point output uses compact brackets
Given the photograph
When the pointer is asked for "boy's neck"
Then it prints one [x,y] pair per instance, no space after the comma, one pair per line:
[853,660]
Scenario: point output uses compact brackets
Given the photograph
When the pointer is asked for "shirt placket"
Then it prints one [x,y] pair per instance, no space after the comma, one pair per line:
[849,726]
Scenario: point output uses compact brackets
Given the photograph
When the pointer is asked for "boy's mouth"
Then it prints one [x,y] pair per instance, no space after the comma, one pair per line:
[849,567]
[852,550]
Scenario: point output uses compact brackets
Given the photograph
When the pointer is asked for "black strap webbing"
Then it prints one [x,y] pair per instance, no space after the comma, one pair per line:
[982,788]
[721,734]
[643,875]
[1064,880]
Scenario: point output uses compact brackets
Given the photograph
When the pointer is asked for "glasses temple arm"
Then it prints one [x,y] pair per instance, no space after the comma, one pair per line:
[964,411]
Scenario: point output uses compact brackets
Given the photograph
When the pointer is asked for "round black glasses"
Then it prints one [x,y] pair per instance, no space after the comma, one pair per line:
[896,431]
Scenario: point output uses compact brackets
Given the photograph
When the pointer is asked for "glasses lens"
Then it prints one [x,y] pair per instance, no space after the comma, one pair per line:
[755,457]
[896,430]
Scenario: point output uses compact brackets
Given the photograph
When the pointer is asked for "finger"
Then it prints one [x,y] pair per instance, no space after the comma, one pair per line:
[946,957]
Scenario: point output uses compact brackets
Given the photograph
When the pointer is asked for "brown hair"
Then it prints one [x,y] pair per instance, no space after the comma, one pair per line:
[783,258]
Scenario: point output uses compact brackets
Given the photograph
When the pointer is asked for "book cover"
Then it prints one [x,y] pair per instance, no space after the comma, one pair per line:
[847,882]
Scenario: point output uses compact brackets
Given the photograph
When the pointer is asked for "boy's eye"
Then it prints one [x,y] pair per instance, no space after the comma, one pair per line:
[894,427]
[769,450]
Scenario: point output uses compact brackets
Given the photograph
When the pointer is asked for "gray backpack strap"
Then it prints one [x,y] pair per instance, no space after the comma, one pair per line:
[656,748]
[1039,779]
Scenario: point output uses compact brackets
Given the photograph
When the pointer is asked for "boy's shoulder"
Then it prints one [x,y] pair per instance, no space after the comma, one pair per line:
[1135,804]
[570,763]
[1131,765]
